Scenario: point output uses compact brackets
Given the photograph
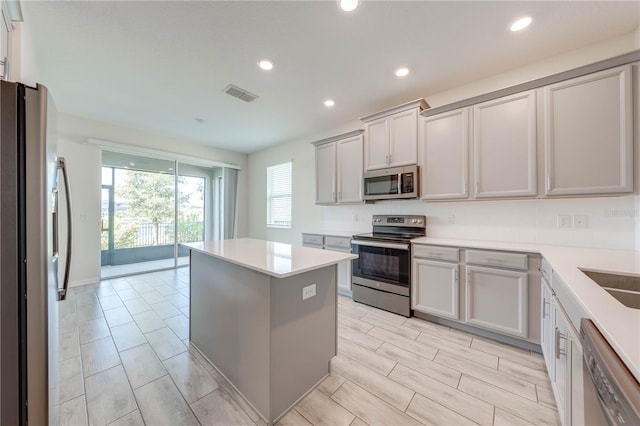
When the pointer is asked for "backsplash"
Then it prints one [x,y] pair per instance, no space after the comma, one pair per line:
[611,222]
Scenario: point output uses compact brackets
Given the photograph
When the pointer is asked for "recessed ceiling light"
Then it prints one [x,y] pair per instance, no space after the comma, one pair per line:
[521,23]
[348,5]
[402,72]
[265,64]
[329,103]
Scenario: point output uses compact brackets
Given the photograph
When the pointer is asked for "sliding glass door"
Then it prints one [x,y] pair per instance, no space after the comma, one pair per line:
[149,207]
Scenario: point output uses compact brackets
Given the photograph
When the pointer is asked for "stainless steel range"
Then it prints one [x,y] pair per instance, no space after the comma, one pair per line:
[382,272]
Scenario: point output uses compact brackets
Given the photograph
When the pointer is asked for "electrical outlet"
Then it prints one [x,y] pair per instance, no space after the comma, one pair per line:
[580,221]
[564,221]
[451,218]
[355,217]
[308,291]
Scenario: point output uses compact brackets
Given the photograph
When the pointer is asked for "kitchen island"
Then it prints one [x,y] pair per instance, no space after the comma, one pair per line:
[264,314]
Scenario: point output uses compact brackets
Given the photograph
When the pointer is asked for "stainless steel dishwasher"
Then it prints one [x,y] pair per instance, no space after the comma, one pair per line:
[611,392]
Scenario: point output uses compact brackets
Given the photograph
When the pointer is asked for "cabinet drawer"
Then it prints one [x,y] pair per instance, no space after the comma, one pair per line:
[337,243]
[436,252]
[312,240]
[497,258]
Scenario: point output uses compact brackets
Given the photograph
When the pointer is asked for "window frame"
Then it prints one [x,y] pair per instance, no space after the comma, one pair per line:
[279,195]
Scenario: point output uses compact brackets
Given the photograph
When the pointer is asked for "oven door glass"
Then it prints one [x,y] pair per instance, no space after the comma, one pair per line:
[381,185]
[390,265]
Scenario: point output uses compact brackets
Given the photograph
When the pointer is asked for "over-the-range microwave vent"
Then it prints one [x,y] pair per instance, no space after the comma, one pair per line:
[239,93]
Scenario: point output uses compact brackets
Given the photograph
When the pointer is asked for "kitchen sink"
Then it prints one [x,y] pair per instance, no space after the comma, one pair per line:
[625,288]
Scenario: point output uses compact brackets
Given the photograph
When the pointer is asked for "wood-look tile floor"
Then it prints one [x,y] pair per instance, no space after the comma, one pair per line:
[125,360]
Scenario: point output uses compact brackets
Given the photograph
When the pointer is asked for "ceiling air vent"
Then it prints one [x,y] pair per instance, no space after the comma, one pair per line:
[239,93]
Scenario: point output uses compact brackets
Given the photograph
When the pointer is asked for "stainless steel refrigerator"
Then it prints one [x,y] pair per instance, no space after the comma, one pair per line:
[30,291]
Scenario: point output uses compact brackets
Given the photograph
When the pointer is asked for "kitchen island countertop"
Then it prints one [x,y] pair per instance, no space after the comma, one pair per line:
[278,260]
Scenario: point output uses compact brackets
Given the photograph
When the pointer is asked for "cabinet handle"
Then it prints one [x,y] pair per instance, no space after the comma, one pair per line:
[559,336]
[455,275]
[465,188]
[548,182]
[477,186]
[340,195]
[390,158]
[434,254]
[494,260]
[544,308]
[333,196]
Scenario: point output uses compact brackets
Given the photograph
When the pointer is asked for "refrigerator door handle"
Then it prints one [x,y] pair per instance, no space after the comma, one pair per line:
[62,166]
[54,214]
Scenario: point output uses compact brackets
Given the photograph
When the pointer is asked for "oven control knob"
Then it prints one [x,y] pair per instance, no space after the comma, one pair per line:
[414,221]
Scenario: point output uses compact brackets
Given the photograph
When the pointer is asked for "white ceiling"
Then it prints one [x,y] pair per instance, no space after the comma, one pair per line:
[160,65]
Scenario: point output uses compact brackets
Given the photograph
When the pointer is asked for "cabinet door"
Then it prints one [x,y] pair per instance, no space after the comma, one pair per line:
[444,143]
[496,299]
[562,360]
[5,45]
[547,328]
[403,138]
[588,134]
[376,144]
[326,173]
[575,409]
[349,176]
[435,288]
[504,145]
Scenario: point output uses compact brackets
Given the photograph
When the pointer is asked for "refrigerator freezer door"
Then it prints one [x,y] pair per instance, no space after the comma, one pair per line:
[42,281]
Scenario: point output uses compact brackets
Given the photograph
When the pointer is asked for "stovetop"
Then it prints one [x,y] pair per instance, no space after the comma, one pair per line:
[398,228]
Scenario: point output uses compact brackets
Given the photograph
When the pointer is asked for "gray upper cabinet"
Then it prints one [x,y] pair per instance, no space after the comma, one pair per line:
[588,131]
[504,146]
[444,147]
[391,136]
[339,169]
[326,173]
[349,176]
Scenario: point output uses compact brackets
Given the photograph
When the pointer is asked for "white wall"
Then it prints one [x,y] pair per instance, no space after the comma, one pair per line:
[613,222]
[83,161]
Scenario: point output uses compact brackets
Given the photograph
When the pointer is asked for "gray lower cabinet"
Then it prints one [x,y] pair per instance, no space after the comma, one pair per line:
[496,291]
[562,348]
[496,299]
[562,361]
[546,327]
[436,288]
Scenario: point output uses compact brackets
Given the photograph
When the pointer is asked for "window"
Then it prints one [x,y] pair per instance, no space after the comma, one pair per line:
[279,195]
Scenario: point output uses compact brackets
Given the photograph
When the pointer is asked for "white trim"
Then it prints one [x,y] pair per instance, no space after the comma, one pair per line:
[156,153]
[79,283]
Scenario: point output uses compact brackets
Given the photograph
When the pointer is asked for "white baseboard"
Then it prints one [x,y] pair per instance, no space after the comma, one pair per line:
[78,283]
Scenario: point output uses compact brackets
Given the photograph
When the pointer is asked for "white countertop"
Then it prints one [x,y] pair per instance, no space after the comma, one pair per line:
[340,234]
[276,259]
[619,324]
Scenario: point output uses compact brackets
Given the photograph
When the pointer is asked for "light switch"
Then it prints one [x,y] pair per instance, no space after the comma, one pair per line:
[580,221]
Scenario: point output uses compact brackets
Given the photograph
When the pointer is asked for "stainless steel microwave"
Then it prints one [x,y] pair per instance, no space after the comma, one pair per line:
[394,182]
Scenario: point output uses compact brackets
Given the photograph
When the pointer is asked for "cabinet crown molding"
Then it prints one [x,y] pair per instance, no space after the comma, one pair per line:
[418,103]
[338,137]
[627,58]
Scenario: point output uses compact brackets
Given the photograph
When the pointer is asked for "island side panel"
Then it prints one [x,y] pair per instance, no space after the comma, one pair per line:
[303,335]
[229,324]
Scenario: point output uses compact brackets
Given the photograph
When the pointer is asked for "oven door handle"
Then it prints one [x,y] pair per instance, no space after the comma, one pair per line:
[379,244]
